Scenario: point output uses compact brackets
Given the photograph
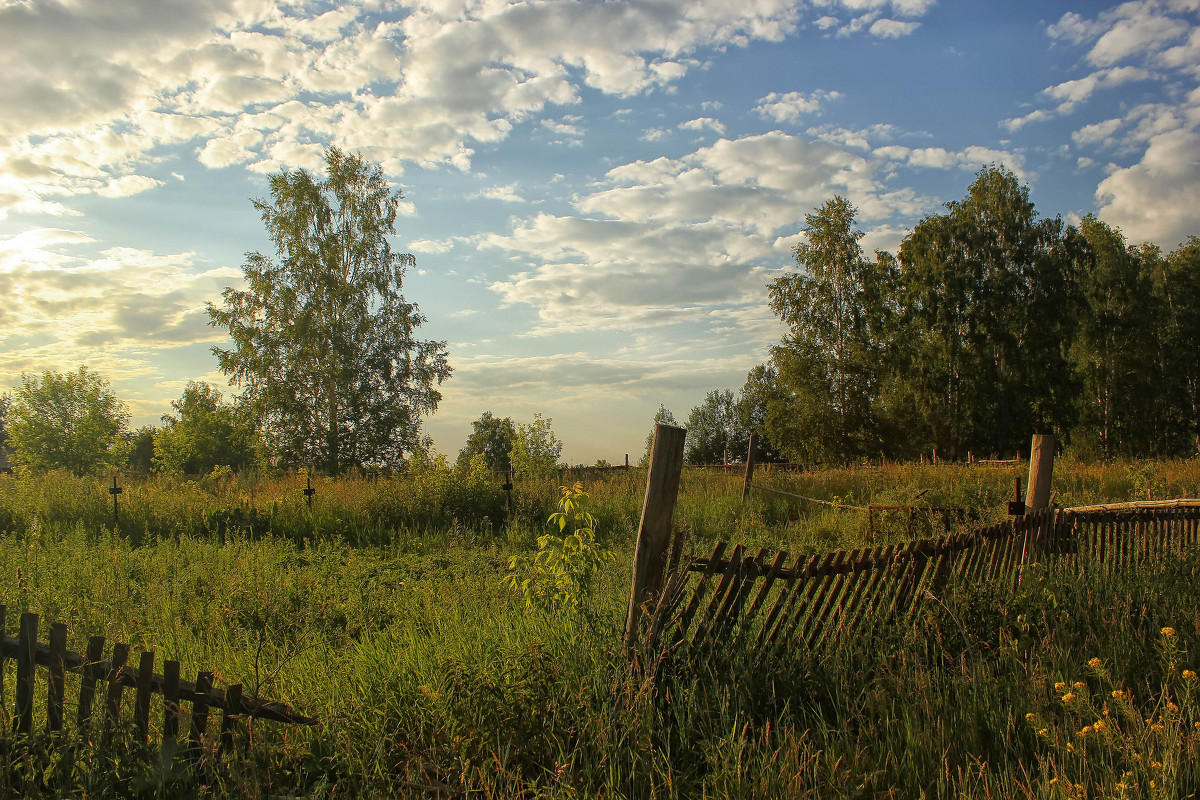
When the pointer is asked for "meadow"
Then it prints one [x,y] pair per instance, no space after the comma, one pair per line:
[383,609]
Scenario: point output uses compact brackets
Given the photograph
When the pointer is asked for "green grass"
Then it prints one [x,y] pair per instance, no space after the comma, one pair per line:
[432,678]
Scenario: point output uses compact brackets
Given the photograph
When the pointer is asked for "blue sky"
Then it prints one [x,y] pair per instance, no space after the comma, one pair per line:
[597,193]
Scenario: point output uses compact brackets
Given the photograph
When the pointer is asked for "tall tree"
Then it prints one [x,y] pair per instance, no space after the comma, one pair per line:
[1178,287]
[829,362]
[207,433]
[990,293]
[760,391]
[715,430]
[535,449]
[661,417]
[1115,348]
[324,341]
[492,437]
[68,421]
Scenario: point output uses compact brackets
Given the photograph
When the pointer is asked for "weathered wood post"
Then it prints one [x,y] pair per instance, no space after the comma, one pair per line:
[1037,493]
[1041,469]
[746,483]
[654,531]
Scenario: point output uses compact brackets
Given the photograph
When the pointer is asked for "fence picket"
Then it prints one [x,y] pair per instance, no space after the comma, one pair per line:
[723,590]
[761,596]
[170,701]
[26,643]
[782,602]
[112,704]
[698,594]
[141,704]
[87,683]
[58,673]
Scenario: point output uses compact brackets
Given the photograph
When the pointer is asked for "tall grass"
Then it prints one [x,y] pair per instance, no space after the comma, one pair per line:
[431,678]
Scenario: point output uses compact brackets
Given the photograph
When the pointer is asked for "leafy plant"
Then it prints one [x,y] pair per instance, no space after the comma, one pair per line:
[562,572]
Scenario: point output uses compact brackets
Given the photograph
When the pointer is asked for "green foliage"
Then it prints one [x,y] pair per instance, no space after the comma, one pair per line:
[830,362]
[5,405]
[561,575]
[661,417]
[991,303]
[67,421]
[139,448]
[492,438]
[1114,350]
[207,433]
[535,449]
[323,338]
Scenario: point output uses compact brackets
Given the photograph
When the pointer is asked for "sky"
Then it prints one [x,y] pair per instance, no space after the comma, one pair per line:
[597,193]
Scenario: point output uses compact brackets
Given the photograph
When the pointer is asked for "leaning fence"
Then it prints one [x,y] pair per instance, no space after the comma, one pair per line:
[772,600]
[103,681]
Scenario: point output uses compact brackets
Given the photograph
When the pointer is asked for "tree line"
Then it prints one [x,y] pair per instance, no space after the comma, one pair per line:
[989,324]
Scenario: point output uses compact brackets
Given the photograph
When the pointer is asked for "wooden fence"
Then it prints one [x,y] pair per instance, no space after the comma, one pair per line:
[105,681]
[771,600]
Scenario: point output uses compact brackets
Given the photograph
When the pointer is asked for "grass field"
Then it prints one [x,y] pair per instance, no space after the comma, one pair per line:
[383,611]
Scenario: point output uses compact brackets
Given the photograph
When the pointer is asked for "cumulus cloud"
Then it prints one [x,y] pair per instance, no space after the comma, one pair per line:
[678,241]
[63,301]
[790,106]
[892,29]
[1153,194]
[505,194]
[1156,199]
[703,123]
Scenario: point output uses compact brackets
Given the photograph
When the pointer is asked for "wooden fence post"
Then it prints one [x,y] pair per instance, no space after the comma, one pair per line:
[1037,497]
[654,531]
[1041,468]
[749,467]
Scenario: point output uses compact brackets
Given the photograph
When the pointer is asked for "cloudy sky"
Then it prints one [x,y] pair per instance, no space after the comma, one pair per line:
[597,192]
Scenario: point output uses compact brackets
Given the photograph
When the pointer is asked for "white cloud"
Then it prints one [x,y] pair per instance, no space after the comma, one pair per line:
[703,123]
[1096,132]
[790,106]
[505,194]
[892,29]
[1156,199]
[679,241]
[128,185]
[1153,195]
[67,304]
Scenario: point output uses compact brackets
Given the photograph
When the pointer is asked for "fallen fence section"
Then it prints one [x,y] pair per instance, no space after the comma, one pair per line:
[105,680]
[771,600]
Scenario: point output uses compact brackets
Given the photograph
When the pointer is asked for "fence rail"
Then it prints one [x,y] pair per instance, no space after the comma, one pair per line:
[771,599]
[105,680]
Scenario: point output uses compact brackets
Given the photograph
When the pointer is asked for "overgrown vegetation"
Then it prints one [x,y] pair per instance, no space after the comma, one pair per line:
[384,611]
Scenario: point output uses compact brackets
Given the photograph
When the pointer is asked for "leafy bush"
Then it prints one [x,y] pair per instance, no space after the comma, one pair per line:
[560,576]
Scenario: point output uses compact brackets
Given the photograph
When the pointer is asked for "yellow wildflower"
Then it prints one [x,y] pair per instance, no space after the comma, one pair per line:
[1046,731]
[1030,717]
[1095,663]
[1117,694]
[1100,725]
[1068,698]
[1087,729]
[1172,707]
[1157,727]
[1168,631]
[1080,685]
[1155,765]
[1188,675]
[1060,686]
